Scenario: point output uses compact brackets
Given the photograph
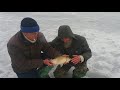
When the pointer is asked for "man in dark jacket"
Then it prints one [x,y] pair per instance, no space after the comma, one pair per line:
[76,47]
[26,47]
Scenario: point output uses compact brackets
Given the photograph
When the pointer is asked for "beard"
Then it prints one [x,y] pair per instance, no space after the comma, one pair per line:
[68,44]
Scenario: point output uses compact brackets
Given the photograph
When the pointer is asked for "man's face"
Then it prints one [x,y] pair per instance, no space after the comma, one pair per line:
[31,36]
[66,40]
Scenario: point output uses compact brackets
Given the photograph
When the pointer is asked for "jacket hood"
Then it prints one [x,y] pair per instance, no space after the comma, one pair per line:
[65,31]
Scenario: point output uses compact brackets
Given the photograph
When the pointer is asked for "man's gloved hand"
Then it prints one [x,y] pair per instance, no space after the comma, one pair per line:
[77,58]
[47,62]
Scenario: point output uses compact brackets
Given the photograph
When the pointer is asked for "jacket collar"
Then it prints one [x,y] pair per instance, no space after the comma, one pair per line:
[24,40]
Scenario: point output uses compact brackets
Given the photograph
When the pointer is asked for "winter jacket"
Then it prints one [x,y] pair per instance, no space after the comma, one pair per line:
[25,55]
[79,44]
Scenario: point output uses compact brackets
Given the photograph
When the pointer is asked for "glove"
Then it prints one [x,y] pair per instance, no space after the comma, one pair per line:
[77,58]
[47,62]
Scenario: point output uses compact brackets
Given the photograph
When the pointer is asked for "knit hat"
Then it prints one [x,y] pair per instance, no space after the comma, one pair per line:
[29,25]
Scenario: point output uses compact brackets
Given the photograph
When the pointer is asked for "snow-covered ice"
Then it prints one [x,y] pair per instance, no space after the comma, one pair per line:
[101,30]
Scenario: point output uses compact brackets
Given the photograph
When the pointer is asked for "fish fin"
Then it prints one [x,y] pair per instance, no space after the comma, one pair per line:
[61,65]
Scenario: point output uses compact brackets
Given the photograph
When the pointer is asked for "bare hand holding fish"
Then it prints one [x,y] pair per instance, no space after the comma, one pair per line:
[47,62]
[76,59]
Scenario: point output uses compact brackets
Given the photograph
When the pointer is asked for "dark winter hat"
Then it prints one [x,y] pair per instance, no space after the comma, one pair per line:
[65,31]
[29,25]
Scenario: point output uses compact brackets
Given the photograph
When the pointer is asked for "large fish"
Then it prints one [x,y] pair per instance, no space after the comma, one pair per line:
[43,73]
[60,60]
